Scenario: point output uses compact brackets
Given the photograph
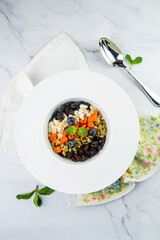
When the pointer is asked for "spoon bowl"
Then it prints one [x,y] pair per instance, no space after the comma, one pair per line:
[111,53]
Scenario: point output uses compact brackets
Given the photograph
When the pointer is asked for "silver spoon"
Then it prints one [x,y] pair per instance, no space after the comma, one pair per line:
[114,57]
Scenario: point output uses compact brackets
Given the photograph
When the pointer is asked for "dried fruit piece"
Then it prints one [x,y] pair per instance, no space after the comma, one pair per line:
[53,137]
[84,121]
[57,149]
[71,136]
[81,138]
[93,117]
[63,139]
[90,124]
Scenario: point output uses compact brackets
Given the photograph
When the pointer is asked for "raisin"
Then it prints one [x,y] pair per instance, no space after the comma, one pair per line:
[69,154]
[84,158]
[94,143]
[78,158]
[99,147]
[61,154]
[79,152]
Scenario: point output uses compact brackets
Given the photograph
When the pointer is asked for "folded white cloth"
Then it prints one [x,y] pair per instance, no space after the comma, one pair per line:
[59,55]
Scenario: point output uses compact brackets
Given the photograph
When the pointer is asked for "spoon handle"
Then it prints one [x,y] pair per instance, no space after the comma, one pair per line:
[153,97]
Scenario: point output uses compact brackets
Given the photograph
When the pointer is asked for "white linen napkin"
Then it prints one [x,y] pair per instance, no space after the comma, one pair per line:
[59,55]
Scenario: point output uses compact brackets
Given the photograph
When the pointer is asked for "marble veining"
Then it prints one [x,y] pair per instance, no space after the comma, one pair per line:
[26,26]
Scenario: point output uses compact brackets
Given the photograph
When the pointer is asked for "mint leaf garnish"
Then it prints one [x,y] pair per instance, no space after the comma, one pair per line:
[137,60]
[25,195]
[129,59]
[71,130]
[45,191]
[133,61]
[37,200]
[82,132]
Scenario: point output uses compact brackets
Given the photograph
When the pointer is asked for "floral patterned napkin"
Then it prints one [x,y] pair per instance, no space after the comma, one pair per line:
[144,165]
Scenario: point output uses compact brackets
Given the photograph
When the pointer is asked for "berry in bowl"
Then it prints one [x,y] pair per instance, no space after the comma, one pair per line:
[77,131]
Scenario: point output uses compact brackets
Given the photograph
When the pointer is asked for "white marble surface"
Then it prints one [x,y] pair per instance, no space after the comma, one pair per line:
[26,26]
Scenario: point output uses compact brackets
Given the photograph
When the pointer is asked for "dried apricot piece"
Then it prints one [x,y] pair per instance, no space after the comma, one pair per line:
[90,124]
[85,120]
[81,138]
[70,137]
[57,149]
[93,117]
[63,140]
[76,125]
[88,128]
[53,137]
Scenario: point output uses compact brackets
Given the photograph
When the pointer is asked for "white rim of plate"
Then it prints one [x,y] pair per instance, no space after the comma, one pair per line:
[93,174]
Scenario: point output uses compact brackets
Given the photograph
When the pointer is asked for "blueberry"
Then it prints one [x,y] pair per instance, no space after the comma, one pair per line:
[71,143]
[71,121]
[92,132]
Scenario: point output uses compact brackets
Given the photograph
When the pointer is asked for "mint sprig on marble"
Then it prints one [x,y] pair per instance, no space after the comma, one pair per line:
[133,61]
[37,200]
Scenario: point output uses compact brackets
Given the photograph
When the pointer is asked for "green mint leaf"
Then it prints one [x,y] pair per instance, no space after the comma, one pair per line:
[137,60]
[71,130]
[37,200]
[129,59]
[45,191]
[25,195]
[82,132]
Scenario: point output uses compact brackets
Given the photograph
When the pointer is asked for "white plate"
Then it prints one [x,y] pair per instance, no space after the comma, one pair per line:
[62,174]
